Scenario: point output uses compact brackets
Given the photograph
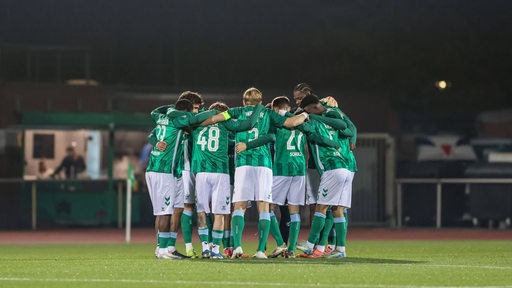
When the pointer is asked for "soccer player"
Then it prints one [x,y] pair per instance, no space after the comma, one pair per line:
[210,163]
[232,150]
[183,211]
[289,170]
[348,144]
[333,176]
[163,183]
[164,171]
[253,173]
[300,91]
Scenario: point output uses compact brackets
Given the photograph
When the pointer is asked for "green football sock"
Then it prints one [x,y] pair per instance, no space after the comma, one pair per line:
[203,234]
[332,237]
[263,230]
[294,231]
[163,239]
[186,226]
[327,228]
[274,229]
[225,238]
[341,231]
[237,227]
[172,239]
[209,223]
[345,213]
[316,227]
[217,237]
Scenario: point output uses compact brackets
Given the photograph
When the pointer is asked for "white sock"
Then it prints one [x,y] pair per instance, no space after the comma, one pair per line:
[188,246]
[331,246]
[310,245]
[320,248]
[340,248]
[171,249]
[205,245]
[215,249]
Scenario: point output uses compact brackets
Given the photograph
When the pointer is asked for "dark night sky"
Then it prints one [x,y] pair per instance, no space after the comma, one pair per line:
[398,47]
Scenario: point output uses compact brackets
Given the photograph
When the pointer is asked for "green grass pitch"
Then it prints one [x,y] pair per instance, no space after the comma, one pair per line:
[370,264]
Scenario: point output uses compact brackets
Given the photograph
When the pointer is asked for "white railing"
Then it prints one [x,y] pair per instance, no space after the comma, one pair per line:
[439,191]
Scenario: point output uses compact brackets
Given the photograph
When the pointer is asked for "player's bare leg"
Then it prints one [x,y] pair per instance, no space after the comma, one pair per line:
[164,237]
[202,228]
[174,227]
[156,233]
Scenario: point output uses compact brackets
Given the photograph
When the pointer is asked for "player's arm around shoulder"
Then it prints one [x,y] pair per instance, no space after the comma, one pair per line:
[160,111]
[287,122]
[153,140]
[260,141]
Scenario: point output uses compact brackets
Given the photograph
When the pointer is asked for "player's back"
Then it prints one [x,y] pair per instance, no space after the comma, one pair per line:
[211,149]
[289,159]
[167,161]
[259,156]
[326,158]
[344,141]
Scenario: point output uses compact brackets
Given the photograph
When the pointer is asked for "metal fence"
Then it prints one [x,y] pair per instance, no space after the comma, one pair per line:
[438,182]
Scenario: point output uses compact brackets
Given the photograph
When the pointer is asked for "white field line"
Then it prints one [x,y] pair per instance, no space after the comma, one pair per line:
[455,266]
[227,283]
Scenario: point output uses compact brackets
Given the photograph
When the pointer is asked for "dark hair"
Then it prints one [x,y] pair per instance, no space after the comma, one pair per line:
[184,105]
[219,106]
[280,102]
[304,88]
[193,97]
[309,99]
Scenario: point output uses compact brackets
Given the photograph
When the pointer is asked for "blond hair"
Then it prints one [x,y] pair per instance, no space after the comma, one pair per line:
[252,96]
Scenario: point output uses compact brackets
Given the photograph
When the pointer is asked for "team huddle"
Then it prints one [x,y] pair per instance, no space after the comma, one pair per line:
[219,162]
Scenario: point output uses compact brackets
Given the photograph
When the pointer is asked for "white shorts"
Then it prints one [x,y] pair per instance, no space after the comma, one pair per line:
[213,188]
[162,189]
[189,189]
[253,184]
[312,183]
[347,188]
[332,188]
[291,188]
[179,200]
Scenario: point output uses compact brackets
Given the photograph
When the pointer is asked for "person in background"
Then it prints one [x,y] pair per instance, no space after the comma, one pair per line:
[144,156]
[43,172]
[73,164]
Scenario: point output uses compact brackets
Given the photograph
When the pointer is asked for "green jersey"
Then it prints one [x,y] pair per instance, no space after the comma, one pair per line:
[210,149]
[211,144]
[345,138]
[169,124]
[326,157]
[259,156]
[289,159]
[167,161]
[352,140]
